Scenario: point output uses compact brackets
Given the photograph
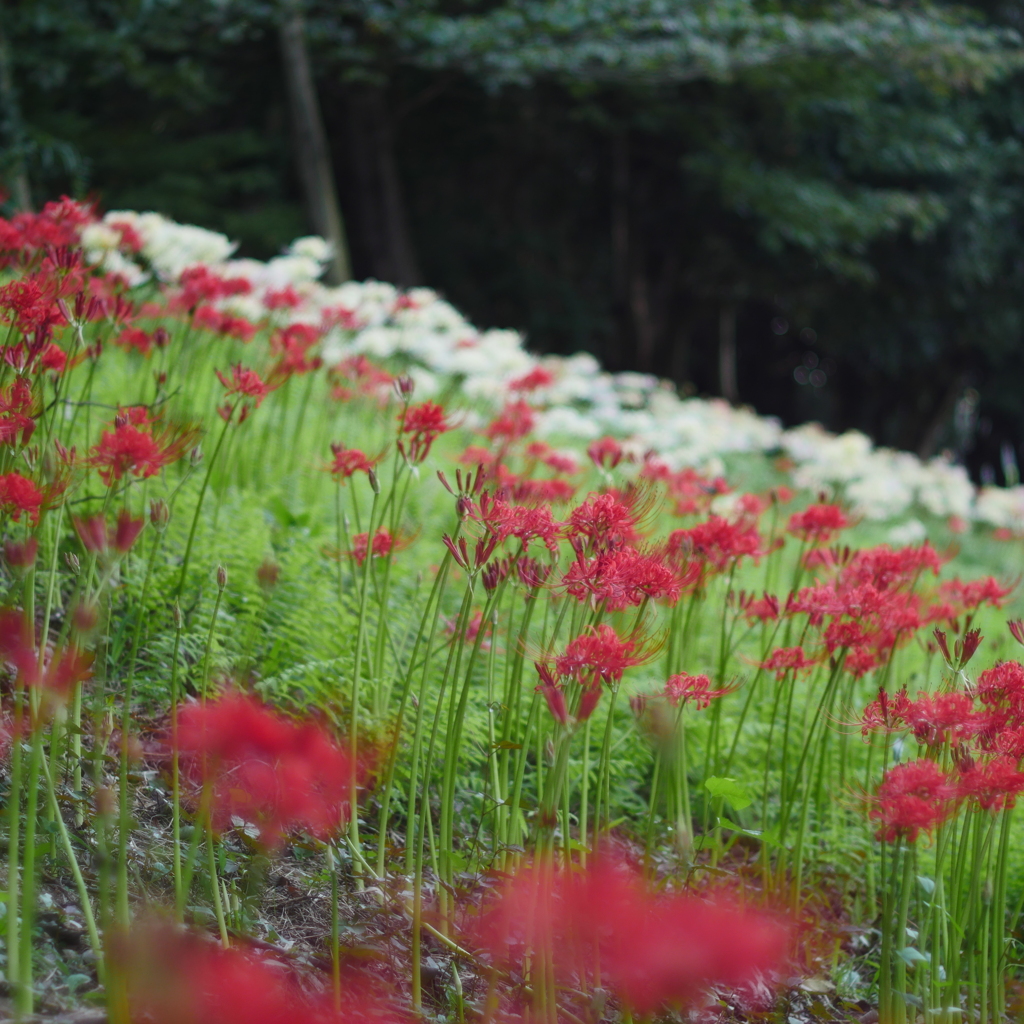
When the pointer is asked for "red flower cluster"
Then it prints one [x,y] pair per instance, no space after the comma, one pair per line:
[383,544]
[178,977]
[20,496]
[264,768]
[55,674]
[912,798]
[621,578]
[139,446]
[525,523]
[603,522]
[718,542]
[423,423]
[349,461]
[247,385]
[514,422]
[596,657]
[784,660]
[818,524]
[684,688]
[654,950]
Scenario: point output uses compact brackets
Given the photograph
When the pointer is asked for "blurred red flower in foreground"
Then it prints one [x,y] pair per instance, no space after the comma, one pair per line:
[176,977]
[265,768]
[652,949]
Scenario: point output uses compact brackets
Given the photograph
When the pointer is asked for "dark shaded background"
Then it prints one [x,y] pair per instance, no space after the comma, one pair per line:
[629,217]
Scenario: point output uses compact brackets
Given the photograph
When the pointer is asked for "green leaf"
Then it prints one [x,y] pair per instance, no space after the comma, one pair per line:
[729,789]
[910,956]
[769,837]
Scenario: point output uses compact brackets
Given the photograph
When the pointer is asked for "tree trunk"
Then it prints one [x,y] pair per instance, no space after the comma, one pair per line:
[384,224]
[622,312]
[727,352]
[940,418]
[311,151]
[10,113]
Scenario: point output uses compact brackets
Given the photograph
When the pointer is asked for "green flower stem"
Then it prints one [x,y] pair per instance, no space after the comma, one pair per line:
[211,863]
[187,558]
[76,871]
[13,917]
[124,820]
[357,670]
[433,605]
[24,995]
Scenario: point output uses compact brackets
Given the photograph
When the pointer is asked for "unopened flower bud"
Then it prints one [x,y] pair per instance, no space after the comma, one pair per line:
[222,577]
[161,337]
[176,615]
[159,514]
[374,482]
[195,456]
[1017,630]
[106,801]
[267,574]
[72,560]
[84,617]
[21,554]
[404,385]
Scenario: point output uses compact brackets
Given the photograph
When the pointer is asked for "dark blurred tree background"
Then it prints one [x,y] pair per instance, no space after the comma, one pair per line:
[812,207]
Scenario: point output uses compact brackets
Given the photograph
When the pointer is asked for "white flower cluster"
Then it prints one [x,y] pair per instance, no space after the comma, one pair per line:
[576,400]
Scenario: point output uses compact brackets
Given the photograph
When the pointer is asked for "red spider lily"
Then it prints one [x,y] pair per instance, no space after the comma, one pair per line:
[993,786]
[424,423]
[684,689]
[972,595]
[606,453]
[255,764]
[1002,685]
[504,520]
[215,321]
[27,235]
[513,423]
[885,568]
[17,406]
[384,543]
[282,298]
[885,713]
[691,493]
[844,635]
[247,385]
[963,650]
[558,461]
[818,524]
[139,447]
[96,536]
[912,798]
[200,284]
[784,660]
[473,627]
[135,338]
[20,496]
[538,377]
[655,950]
[604,521]
[349,461]
[21,554]
[540,492]
[941,717]
[763,609]
[621,578]
[180,977]
[600,655]
[55,674]
[718,542]
[551,689]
